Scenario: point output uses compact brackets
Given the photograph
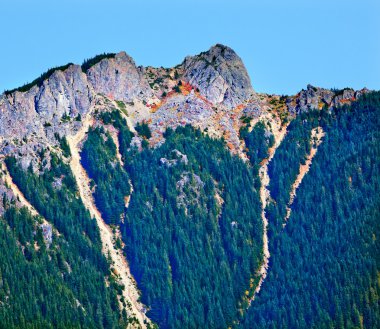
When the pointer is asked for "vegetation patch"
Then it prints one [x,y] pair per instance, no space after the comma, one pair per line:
[143,130]
[98,157]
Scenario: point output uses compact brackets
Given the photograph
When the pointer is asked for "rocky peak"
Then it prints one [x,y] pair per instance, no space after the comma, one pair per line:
[119,78]
[220,75]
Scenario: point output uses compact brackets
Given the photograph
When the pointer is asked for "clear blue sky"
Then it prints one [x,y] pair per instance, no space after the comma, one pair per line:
[284,44]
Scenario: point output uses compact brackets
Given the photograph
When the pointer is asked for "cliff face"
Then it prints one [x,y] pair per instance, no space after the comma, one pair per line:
[211,91]
[119,78]
[64,93]
[220,75]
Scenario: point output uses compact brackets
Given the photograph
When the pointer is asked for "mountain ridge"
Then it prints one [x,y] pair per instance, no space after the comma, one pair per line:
[211,90]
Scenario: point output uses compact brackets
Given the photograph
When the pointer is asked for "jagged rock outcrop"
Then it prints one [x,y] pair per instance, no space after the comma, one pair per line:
[189,189]
[65,92]
[119,78]
[220,75]
[31,120]
[314,98]
[56,106]
[175,158]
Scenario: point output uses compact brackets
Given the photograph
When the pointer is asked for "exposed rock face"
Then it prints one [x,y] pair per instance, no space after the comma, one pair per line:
[47,233]
[30,120]
[220,76]
[64,93]
[181,110]
[218,73]
[18,116]
[175,157]
[189,189]
[119,78]
[314,98]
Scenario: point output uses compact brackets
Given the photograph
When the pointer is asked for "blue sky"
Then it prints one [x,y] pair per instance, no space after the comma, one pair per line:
[284,44]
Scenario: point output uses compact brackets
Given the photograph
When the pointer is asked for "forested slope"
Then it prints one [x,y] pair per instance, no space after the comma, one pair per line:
[284,167]
[192,229]
[110,180]
[63,286]
[201,228]
[325,264]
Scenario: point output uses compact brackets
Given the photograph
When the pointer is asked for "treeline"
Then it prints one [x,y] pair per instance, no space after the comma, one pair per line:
[39,81]
[88,63]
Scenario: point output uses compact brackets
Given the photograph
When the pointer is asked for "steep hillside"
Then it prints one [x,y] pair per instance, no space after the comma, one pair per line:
[324,264]
[60,269]
[233,192]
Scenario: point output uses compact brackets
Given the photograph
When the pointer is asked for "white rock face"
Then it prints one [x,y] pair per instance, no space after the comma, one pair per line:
[30,120]
[64,93]
[218,73]
[220,76]
[119,78]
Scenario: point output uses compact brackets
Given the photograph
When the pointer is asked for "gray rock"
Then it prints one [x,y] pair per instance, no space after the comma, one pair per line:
[176,156]
[220,76]
[47,233]
[314,98]
[189,189]
[119,78]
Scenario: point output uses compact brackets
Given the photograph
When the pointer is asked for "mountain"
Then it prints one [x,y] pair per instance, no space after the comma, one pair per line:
[181,198]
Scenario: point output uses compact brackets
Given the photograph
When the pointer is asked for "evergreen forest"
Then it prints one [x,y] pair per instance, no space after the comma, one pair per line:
[324,265]
[189,214]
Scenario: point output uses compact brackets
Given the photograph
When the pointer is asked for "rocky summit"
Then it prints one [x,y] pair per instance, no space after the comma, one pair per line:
[211,91]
